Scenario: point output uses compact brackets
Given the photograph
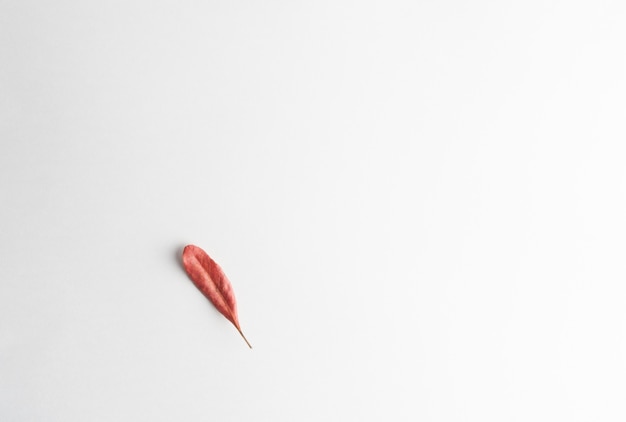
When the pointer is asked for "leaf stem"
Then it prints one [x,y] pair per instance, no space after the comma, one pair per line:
[244,337]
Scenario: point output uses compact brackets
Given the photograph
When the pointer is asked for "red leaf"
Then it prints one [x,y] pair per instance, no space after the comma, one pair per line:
[212,282]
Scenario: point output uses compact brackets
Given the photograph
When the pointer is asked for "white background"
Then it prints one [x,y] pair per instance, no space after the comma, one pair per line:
[421,206]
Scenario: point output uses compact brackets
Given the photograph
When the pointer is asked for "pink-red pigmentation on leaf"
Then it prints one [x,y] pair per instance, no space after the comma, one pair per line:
[212,282]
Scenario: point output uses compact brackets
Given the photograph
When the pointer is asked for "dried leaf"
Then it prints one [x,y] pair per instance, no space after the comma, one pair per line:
[212,282]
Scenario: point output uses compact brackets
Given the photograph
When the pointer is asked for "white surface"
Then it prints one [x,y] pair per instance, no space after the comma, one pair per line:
[421,206]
